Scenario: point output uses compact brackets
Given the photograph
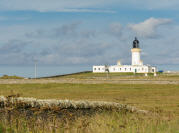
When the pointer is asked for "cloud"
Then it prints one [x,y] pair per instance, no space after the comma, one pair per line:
[14,52]
[116,29]
[148,27]
[105,6]
[66,30]
[74,43]
[65,44]
[81,10]
[13,46]
[54,6]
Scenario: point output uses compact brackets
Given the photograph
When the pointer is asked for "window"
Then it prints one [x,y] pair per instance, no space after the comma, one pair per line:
[114,69]
[142,69]
[125,69]
[98,68]
[135,70]
[95,69]
[120,69]
[130,69]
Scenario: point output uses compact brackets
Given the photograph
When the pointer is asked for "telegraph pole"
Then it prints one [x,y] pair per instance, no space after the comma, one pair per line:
[35,72]
[107,71]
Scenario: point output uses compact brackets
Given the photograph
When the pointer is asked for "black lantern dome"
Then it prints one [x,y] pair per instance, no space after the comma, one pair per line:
[136,43]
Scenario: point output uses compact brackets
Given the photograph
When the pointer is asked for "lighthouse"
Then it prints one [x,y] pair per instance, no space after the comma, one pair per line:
[137,65]
[136,61]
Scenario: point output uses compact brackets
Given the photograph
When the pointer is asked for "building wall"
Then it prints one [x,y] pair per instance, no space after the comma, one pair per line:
[99,69]
[125,68]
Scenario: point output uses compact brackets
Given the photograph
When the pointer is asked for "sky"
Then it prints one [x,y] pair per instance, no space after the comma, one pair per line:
[88,32]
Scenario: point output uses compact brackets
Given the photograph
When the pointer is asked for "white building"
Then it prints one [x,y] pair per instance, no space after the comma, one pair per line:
[136,66]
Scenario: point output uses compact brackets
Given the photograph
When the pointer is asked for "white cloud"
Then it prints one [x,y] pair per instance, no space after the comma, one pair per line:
[149,26]
[54,5]
[86,5]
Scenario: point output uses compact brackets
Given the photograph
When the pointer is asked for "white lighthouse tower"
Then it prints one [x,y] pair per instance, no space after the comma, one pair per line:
[136,61]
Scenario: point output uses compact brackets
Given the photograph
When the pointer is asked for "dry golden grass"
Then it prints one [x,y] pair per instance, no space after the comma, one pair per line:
[161,100]
[104,122]
[146,96]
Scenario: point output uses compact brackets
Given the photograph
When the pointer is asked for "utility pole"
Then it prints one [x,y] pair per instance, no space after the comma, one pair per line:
[107,71]
[35,73]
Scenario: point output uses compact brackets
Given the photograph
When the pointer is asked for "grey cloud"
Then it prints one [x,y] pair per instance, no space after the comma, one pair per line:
[16,52]
[100,47]
[67,29]
[13,46]
[89,34]
[73,44]
[70,44]
[161,51]
[116,29]
[61,31]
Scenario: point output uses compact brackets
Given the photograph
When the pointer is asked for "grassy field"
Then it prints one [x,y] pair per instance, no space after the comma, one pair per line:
[97,78]
[161,100]
[143,96]
[90,75]
[10,77]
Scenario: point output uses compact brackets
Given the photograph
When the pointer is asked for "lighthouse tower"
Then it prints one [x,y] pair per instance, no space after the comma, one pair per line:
[136,53]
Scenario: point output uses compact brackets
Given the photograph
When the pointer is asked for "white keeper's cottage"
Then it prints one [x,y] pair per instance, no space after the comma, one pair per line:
[137,65]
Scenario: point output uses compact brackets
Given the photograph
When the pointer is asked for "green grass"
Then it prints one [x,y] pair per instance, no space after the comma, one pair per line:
[148,96]
[90,75]
[11,77]
[93,75]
